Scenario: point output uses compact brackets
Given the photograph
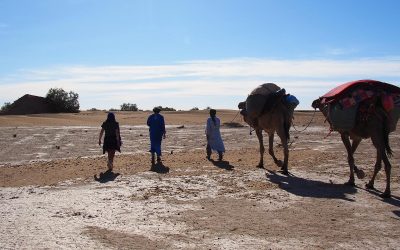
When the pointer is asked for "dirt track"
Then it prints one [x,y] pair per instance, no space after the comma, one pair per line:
[51,199]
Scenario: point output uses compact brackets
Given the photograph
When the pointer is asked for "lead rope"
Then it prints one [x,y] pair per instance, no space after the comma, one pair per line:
[251,129]
[235,116]
[300,131]
[312,118]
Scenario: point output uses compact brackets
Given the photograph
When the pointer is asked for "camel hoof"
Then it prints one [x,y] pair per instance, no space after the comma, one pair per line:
[350,183]
[369,186]
[279,163]
[260,166]
[386,195]
[285,172]
[360,174]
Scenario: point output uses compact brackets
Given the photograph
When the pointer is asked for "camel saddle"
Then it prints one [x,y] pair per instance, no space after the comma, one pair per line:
[346,104]
[262,99]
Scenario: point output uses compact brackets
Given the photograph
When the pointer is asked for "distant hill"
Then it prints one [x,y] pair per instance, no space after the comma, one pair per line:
[30,104]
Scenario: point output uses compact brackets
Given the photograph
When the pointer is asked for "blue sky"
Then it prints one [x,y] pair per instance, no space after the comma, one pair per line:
[186,53]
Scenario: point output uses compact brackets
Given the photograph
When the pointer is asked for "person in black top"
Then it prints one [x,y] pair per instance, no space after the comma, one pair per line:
[112,138]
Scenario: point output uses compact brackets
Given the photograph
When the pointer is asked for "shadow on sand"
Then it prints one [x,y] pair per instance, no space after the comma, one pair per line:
[394,200]
[222,164]
[159,168]
[310,188]
[107,176]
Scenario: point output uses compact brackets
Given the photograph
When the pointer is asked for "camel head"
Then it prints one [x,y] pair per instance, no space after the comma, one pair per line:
[243,111]
[242,105]
[316,103]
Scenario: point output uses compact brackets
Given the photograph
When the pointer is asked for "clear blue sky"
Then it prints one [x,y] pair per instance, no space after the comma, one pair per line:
[191,53]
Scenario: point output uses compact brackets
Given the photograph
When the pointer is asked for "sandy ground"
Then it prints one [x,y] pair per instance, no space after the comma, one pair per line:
[55,195]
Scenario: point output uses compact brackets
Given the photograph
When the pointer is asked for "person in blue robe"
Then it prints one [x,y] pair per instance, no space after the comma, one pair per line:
[157,133]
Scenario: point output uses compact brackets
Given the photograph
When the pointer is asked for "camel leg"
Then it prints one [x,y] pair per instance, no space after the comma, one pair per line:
[284,141]
[359,172]
[262,149]
[271,148]
[388,168]
[355,144]
[378,166]
[381,155]
[350,158]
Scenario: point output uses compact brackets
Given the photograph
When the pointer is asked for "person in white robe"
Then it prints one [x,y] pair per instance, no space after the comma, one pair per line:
[213,134]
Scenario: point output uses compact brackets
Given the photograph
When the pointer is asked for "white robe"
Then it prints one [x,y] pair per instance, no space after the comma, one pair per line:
[214,135]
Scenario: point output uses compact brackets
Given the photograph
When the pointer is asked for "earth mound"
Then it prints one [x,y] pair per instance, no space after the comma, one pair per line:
[30,104]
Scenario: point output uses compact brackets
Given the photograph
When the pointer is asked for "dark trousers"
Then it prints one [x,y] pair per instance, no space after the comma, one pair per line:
[208,150]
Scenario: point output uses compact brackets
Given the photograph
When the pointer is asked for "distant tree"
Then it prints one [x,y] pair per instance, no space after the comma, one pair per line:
[6,106]
[129,107]
[208,108]
[166,108]
[63,101]
[194,109]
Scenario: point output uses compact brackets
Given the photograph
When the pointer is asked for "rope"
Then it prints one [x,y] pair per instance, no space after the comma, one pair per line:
[235,116]
[251,129]
[330,132]
[299,131]
[312,118]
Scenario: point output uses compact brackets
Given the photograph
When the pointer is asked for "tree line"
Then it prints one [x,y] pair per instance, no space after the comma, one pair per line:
[67,102]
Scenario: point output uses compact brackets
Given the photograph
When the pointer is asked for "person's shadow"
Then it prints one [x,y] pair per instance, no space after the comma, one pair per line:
[160,168]
[310,188]
[107,176]
[222,164]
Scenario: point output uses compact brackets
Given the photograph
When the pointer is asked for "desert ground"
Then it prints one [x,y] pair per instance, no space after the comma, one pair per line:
[54,193]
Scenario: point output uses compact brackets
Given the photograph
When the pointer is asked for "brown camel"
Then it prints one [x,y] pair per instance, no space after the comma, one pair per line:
[275,116]
[375,124]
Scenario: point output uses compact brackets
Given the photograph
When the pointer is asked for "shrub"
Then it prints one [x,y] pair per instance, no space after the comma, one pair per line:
[194,109]
[63,101]
[129,107]
[166,108]
[6,107]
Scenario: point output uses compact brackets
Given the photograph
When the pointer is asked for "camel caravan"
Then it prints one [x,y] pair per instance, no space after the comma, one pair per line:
[356,110]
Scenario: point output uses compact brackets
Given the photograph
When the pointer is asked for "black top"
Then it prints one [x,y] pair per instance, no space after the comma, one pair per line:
[110,128]
[110,137]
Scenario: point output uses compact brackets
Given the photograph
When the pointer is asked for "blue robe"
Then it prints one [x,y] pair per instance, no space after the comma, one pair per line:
[157,130]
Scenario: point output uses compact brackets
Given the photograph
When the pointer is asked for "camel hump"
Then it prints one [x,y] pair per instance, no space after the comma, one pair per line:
[265,89]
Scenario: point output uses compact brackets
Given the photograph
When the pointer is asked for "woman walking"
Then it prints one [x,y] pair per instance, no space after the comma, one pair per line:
[214,139]
[112,138]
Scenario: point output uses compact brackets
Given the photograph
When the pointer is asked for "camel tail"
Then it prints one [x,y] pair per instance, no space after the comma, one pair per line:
[386,132]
